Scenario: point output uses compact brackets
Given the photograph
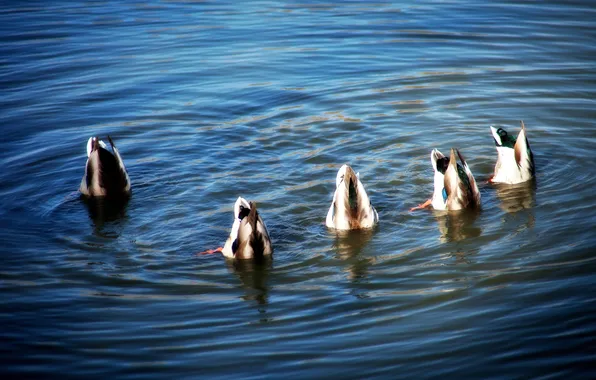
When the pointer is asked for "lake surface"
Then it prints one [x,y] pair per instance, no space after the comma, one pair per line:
[207,101]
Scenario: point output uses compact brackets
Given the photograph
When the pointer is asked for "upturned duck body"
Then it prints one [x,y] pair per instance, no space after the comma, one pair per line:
[105,173]
[515,161]
[454,184]
[351,207]
[249,238]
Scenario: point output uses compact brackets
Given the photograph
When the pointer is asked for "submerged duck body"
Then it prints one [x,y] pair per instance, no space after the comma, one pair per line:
[105,173]
[454,185]
[351,207]
[249,238]
[515,161]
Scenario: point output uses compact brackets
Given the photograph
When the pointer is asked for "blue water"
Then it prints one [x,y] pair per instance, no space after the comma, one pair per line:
[207,101]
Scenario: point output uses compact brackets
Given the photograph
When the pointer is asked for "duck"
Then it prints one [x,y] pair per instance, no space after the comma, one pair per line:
[249,238]
[105,173]
[515,161]
[351,208]
[454,185]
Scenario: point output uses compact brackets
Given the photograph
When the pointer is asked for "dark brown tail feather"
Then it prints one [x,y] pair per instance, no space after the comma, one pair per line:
[353,199]
[253,215]
[256,238]
[453,182]
[461,157]
[475,196]
[447,181]
[470,198]
[111,177]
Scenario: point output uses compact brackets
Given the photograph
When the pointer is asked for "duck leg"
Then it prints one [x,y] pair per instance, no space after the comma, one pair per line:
[211,251]
[422,205]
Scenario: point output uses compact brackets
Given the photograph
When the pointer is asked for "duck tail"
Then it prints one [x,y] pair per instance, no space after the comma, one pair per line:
[253,216]
[94,169]
[123,173]
[352,200]
[111,142]
[256,238]
[523,152]
[117,155]
[473,186]
[451,180]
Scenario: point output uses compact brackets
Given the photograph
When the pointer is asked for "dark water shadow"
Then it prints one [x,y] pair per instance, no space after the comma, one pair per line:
[254,276]
[456,226]
[348,246]
[107,215]
[514,198]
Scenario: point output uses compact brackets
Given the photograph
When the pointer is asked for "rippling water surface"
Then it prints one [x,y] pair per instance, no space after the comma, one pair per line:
[210,100]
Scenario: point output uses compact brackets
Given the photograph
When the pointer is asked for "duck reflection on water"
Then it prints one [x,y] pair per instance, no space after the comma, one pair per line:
[458,225]
[106,214]
[348,246]
[517,201]
[254,276]
[518,197]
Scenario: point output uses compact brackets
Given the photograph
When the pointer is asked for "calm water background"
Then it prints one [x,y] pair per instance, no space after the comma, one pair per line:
[210,100]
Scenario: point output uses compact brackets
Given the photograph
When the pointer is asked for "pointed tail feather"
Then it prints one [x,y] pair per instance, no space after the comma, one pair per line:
[522,150]
[451,176]
[253,216]
[453,183]
[473,185]
[256,238]
[530,154]
[111,142]
[353,195]
[117,154]
[123,172]
[520,147]
[352,200]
